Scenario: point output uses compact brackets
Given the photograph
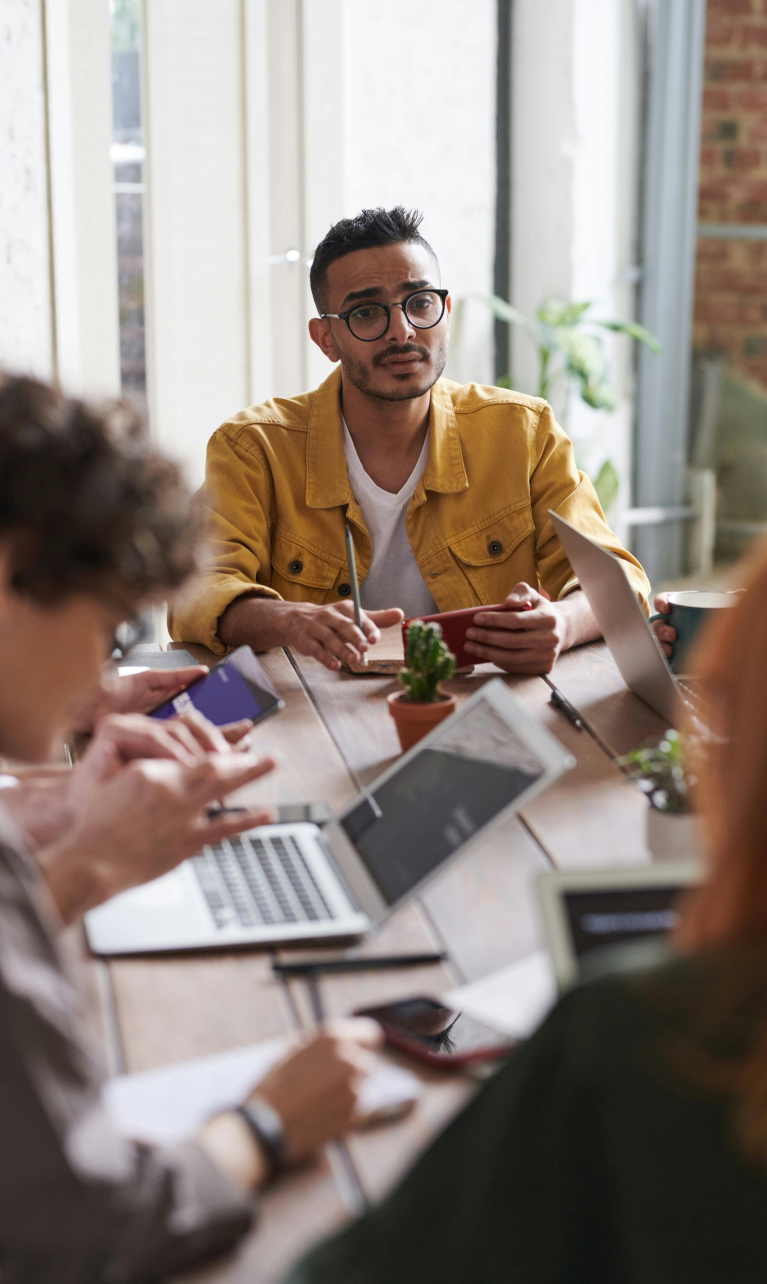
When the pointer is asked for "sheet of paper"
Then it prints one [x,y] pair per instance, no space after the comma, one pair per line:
[515,999]
[168,1105]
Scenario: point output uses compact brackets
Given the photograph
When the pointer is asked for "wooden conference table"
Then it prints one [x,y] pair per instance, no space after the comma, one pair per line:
[335,735]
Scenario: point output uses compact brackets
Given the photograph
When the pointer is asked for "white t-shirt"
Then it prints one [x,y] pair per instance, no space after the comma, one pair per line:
[394,578]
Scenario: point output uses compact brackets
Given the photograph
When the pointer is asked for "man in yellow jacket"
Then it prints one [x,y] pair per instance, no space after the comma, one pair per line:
[447,488]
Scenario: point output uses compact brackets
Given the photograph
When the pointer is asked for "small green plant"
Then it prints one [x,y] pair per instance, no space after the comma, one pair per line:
[662,774]
[427,662]
[570,353]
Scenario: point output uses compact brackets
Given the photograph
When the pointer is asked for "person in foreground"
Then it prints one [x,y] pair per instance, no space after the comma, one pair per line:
[447,488]
[91,530]
[627,1140]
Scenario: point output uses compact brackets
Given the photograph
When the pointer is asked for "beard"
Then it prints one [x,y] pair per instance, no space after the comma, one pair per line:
[361,376]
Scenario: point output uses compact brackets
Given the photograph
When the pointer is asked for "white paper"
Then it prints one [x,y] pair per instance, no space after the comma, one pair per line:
[169,1105]
[515,999]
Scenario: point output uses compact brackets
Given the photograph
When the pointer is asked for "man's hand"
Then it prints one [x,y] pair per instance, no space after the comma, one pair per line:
[141,820]
[314,1091]
[528,635]
[330,635]
[326,632]
[134,693]
[665,634]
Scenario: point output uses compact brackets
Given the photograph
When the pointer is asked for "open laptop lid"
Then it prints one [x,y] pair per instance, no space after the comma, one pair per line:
[622,622]
[590,910]
[481,764]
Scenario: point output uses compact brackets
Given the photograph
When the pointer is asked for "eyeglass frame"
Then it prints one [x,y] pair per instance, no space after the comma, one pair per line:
[387,307]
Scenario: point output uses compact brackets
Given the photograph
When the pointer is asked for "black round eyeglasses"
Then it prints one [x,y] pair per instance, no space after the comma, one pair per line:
[369,321]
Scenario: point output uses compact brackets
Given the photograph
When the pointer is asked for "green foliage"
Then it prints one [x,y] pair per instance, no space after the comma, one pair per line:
[125,23]
[661,773]
[607,485]
[428,662]
[567,350]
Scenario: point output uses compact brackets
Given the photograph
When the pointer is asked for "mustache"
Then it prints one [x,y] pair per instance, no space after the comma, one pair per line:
[401,350]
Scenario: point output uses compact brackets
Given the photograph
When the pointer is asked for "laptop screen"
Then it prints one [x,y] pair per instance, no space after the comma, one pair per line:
[413,821]
[612,916]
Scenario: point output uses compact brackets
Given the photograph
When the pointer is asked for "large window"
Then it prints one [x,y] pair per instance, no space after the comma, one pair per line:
[128,161]
[729,421]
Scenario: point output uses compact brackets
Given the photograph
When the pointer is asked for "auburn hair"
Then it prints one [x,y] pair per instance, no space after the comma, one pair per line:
[731,769]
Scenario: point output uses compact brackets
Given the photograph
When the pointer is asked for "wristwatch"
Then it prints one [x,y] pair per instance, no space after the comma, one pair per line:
[266,1126]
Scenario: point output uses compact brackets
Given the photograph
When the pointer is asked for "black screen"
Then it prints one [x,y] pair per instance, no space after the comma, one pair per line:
[423,813]
[615,915]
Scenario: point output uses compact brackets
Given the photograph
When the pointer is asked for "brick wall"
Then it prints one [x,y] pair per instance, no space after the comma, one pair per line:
[731,281]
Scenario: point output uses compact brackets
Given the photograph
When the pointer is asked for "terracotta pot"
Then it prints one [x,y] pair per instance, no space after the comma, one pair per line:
[673,836]
[416,718]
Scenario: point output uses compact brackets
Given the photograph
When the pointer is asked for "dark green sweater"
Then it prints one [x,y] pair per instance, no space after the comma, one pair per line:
[598,1154]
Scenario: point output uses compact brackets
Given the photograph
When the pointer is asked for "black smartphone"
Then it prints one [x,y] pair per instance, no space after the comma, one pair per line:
[237,688]
[437,1034]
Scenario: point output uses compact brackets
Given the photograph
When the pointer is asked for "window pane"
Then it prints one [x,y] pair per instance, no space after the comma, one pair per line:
[128,162]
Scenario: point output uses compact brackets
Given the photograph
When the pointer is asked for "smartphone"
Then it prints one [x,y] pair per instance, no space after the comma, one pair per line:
[237,688]
[454,625]
[437,1034]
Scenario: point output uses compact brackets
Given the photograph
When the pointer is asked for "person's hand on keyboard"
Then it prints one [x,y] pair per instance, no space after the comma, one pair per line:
[137,820]
[313,1090]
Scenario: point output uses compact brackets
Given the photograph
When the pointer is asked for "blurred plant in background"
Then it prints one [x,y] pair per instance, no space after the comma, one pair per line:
[124,23]
[571,353]
[662,772]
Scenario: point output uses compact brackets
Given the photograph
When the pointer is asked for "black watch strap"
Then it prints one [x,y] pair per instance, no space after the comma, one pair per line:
[266,1126]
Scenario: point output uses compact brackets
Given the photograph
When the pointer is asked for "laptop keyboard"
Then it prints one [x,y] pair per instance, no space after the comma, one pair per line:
[252,882]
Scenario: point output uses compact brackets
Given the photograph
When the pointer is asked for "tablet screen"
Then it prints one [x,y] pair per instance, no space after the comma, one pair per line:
[613,916]
[413,821]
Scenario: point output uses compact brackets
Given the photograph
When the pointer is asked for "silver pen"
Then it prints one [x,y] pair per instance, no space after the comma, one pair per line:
[352,561]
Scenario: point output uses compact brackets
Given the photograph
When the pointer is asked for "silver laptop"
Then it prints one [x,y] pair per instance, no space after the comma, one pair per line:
[588,912]
[623,624]
[283,883]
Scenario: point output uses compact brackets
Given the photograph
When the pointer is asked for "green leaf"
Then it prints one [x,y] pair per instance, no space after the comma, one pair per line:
[503,310]
[634,331]
[607,485]
[585,361]
[554,313]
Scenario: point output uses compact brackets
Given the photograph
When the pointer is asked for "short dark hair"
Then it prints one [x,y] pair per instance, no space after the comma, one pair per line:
[90,508]
[368,229]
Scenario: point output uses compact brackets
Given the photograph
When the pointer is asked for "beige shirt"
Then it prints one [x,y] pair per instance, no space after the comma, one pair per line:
[78,1204]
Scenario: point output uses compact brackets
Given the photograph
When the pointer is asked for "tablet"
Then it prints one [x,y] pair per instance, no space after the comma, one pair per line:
[594,909]
[236,688]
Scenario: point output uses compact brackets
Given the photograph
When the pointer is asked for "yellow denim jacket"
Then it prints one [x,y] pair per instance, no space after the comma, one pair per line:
[277,496]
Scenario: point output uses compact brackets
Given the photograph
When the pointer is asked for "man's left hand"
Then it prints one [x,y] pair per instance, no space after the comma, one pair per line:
[526,637]
[529,633]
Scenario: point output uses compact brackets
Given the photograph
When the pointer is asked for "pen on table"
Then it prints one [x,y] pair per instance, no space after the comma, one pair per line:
[351,559]
[572,715]
[372,964]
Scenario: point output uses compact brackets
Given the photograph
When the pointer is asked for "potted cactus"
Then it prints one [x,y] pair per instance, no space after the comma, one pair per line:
[419,708]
